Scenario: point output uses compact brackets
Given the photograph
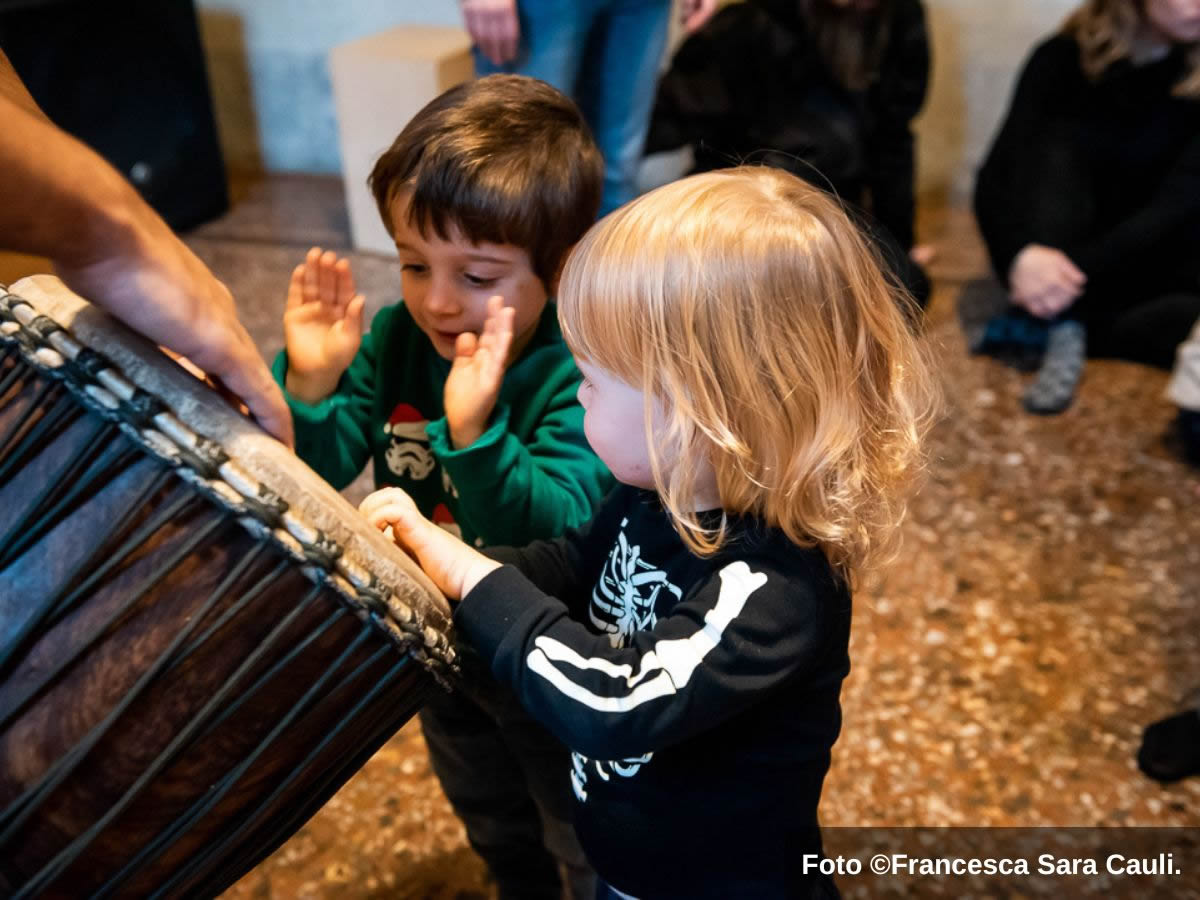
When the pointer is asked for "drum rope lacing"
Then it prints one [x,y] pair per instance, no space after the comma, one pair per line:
[67,380]
[100,385]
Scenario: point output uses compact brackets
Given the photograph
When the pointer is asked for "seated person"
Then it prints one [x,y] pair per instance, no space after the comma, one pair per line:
[1089,199]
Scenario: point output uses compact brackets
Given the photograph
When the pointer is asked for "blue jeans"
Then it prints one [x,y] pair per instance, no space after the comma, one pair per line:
[605,55]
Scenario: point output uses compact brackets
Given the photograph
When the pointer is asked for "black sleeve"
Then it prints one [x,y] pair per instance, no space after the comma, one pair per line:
[1174,205]
[897,98]
[1014,172]
[569,565]
[734,636]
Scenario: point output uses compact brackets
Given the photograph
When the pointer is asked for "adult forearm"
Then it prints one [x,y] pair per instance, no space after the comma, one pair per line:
[61,200]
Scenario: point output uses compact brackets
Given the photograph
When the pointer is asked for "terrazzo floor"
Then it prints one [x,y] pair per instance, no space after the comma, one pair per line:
[1046,607]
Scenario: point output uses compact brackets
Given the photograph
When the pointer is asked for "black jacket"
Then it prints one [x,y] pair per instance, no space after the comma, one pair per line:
[751,87]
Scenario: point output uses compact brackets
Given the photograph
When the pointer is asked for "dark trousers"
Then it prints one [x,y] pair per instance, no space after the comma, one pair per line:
[508,779]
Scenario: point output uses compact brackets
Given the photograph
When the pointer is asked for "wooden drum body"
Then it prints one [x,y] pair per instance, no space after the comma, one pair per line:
[200,640]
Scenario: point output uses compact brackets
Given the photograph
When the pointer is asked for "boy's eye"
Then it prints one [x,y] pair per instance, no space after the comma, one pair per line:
[479,280]
[413,268]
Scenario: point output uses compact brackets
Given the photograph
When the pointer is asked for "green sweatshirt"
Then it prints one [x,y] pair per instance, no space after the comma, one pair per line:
[531,474]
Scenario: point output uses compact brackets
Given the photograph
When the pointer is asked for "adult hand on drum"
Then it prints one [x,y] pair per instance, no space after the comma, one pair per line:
[64,202]
[452,565]
[473,385]
[165,292]
[322,325]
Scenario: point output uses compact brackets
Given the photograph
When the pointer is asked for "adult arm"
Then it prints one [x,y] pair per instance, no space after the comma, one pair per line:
[1014,178]
[1136,240]
[736,636]
[64,202]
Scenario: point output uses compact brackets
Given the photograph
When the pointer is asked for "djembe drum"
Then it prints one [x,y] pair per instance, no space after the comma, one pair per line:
[200,640]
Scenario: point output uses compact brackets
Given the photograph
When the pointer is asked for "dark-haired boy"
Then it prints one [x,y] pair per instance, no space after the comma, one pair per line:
[464,396]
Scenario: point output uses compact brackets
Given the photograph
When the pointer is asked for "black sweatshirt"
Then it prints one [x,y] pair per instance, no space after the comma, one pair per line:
[751,86]
[1117,157]
[699,696]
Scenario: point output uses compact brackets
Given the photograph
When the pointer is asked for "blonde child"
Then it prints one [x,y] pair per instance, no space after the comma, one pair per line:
[752,383]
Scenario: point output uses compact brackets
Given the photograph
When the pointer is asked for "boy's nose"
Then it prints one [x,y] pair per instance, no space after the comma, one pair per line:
[441,300]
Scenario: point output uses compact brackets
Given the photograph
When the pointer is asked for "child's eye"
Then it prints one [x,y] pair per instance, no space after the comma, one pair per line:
[413,268]
[478,280]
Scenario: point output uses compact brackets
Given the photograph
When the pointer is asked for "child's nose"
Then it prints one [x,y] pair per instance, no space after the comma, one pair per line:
[442,300]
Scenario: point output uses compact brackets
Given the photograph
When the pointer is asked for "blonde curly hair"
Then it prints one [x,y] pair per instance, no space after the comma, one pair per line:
[1106,31]
[747,302]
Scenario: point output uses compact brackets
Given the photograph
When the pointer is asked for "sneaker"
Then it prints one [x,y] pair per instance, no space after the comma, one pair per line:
[1171,747]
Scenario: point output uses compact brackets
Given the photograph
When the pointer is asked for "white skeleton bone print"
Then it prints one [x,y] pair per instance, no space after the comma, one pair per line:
[623,602]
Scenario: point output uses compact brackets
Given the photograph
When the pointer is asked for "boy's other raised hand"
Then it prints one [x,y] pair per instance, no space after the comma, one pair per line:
[453,566]
[322,324]
[473,385]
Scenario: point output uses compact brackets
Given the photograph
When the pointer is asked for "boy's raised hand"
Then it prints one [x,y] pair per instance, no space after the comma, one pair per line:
[473,384]
[452,565]
[322,325]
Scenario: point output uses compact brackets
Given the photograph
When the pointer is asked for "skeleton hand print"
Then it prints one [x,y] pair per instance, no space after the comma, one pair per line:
[624,600]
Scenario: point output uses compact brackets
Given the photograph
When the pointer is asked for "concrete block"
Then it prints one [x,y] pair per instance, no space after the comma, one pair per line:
[379,83]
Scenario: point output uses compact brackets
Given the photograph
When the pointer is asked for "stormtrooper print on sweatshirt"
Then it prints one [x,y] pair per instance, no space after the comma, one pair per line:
[699,696]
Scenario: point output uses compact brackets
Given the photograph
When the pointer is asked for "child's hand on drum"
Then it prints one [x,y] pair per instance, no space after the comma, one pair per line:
[473,384]
[452,565]
[322,325]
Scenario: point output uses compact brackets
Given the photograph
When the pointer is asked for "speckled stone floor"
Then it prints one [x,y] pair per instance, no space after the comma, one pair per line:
[1046,607]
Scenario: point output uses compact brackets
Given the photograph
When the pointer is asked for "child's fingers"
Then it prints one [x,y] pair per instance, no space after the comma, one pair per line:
[465,345]
[354,313]
[401,518]
[345,285]
[295,294]
[499,341]
[312,265]
[327,278]
[381,498]
[499,321]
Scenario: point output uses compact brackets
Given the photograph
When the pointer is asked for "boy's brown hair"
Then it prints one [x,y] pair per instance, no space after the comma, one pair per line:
[505,159]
